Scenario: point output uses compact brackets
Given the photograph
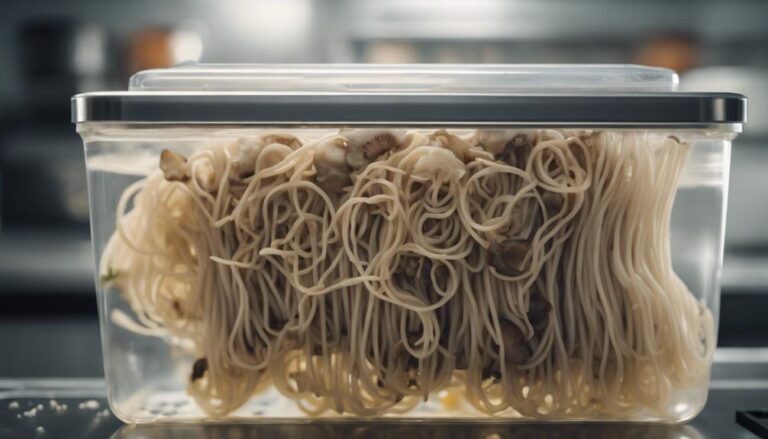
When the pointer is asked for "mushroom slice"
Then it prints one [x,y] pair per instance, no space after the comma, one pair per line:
[174,166]
[538,312]
[493,141]
[509,257]
[245,164]
[373,142]
[515,150]
[331,164]
[433,163]
[462,149]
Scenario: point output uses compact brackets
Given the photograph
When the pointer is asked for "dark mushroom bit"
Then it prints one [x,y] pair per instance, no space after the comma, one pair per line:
[510,256]
[515,350]
[413,273]
[365,145]
[515,150]
[538,312]
[492,370]
[199,367]
[553,202]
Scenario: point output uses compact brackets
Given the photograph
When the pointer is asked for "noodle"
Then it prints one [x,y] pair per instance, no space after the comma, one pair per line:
[362,272]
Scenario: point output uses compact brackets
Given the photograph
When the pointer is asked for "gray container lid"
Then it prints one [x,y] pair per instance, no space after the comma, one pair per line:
[332,94]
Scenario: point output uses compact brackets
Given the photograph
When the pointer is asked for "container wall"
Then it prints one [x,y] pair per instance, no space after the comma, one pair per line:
[152,330]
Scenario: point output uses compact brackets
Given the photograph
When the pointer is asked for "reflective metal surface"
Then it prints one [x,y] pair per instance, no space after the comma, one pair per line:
[86,417]
[412,430]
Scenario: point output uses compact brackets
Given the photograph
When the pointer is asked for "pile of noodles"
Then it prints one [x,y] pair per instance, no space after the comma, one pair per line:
[527,272]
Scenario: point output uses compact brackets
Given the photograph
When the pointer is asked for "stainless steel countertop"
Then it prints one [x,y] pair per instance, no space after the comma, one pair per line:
[746,391]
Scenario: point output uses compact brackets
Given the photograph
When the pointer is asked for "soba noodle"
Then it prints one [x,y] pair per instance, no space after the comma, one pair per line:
[528,272]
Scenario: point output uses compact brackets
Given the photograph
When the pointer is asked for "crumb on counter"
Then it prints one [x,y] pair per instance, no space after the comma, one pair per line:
[40,429]
[56,406]
[13,405]
[91,404]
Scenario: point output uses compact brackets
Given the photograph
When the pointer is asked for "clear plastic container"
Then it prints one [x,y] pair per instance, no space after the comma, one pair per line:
[455,242]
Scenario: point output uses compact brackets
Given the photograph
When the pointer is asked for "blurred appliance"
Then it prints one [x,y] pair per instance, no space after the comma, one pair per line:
[41,168]
[59,57]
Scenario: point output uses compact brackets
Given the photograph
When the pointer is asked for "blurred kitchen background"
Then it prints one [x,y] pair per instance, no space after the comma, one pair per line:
[50,50]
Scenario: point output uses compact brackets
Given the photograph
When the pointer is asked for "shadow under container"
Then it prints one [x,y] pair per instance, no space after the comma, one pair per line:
[629,282]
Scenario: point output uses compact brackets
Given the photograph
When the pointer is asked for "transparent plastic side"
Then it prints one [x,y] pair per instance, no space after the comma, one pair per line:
[425,78]
[150,369]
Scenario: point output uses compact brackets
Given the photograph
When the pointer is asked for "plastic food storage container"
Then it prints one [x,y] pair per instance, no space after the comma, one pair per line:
[495,242]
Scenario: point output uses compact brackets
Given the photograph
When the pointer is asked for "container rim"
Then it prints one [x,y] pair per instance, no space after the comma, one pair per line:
[692,110]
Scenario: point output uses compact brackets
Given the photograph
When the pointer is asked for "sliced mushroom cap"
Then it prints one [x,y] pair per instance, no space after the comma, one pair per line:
[331,164]
[434,164]
[509,257]
[245,164]
[492,141]
[497,142]
[462,149]
[174,166]
[356,159]
[373,142]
